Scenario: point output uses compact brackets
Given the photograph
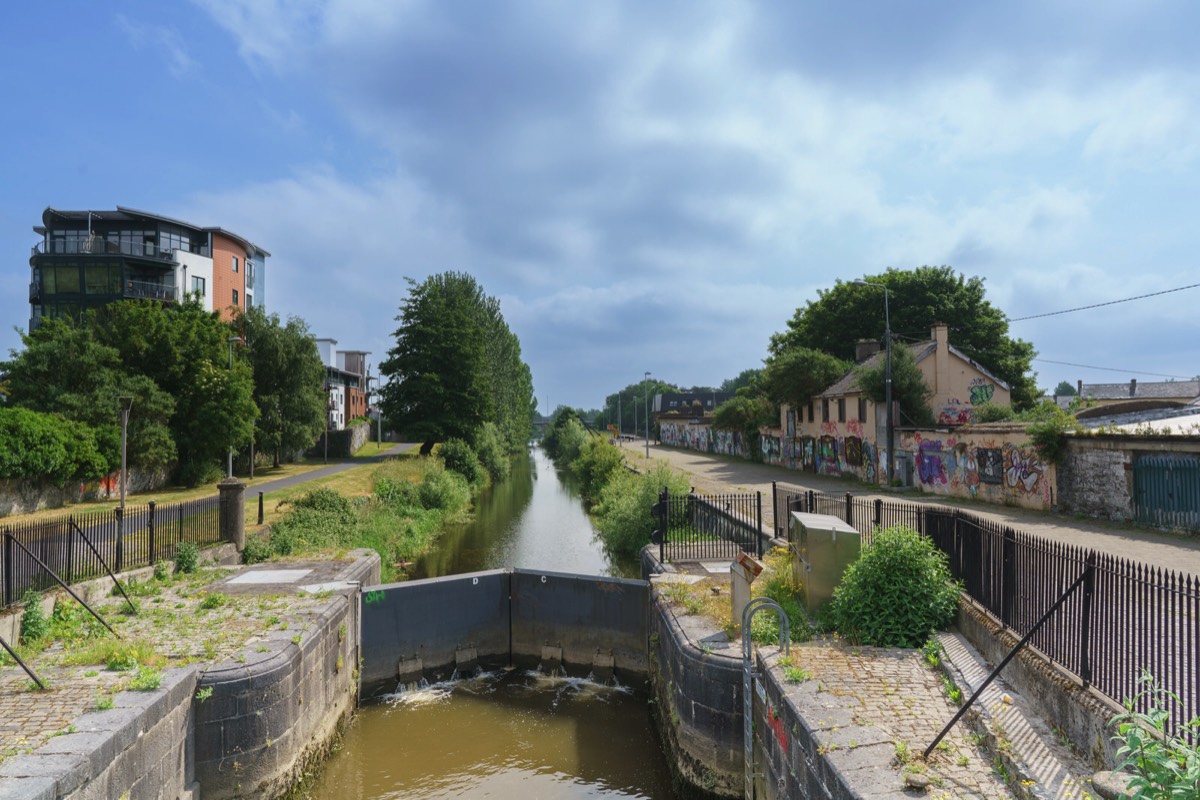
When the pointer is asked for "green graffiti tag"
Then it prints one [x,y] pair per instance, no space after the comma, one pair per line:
[371,598]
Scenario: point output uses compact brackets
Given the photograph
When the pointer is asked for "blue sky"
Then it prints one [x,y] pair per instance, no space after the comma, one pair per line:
[644,186]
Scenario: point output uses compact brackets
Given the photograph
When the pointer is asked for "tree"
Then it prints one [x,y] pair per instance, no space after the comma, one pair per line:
[917,298]
[455,365]
[909,389]
[745,414]
[635,395]
[744,378]
[1064,389]
[288,382]
[795,374]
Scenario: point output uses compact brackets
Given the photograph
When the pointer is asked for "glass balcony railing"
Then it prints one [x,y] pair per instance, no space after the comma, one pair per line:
[97,246]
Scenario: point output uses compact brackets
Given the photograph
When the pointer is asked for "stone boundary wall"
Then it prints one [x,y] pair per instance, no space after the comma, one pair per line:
[27,496]
[1095,473]
[140,748]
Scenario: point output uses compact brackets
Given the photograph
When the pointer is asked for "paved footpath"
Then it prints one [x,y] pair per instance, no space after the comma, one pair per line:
[714,474]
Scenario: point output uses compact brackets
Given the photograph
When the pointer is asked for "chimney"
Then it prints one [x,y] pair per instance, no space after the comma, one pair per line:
[941,335]
[1133,387]
[864,349]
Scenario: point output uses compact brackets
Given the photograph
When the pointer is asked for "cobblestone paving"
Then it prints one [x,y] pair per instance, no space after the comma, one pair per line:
[897,693]
[29,716]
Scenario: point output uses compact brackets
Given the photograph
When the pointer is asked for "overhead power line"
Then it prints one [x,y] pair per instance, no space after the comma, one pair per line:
[1113,369]
[1100,305]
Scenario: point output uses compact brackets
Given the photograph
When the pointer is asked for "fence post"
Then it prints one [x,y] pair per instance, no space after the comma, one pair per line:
[878,512]
[179,516]
[8,568]
[70,576]
[1008,577]
[759,536]
[666,524]
[812,501]
[1085,620]
[775,506]
[119,561]
[232,512]
[150,528]
[849,509]
[260,508]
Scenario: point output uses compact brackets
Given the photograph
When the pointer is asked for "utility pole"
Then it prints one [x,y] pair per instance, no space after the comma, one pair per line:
[618,416]
[231,340]
[647,416]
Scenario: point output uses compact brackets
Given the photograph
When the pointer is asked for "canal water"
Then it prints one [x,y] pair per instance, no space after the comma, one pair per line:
[507,734]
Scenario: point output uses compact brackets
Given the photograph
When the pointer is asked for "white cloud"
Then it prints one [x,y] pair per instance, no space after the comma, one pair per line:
[166,40]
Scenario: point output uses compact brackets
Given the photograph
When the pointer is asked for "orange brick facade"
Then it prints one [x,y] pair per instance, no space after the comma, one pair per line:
[225,280]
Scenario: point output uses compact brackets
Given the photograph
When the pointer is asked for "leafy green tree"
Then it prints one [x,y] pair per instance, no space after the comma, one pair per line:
[37,445]
[795,374]
[632,404]
[455,365]
[185,350]
[746,413]
[744,378]
[917,298]
[288,382]
[1064,389]
[909,389]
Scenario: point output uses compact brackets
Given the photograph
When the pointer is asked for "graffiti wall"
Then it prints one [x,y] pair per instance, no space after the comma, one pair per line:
[993,466]
[962,412]
[703,438]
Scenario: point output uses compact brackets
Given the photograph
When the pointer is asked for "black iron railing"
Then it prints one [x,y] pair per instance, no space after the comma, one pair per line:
[1130,617]
[699,527]
[136,537]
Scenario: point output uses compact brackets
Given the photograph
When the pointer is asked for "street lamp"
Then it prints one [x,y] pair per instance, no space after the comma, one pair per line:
[887,390]
[647,415]
[124,403]
[231,340]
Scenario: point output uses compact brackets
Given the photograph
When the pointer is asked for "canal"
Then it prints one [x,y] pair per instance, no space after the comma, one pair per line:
[507,734]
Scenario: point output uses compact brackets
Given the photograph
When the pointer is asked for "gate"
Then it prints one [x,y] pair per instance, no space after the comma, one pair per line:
[696,527]
[1166,491]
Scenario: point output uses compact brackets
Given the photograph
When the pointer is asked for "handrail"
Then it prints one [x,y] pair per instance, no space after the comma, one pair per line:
[1088,571]
[103,563]
[28,670]
[53,574]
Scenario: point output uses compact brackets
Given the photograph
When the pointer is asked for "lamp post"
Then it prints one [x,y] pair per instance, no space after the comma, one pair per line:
[231,340]
[124,403]
[647,415]
[887,385]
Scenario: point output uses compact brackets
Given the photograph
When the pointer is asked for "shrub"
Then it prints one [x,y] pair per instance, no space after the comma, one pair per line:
[397,493]
[443,490]
[492,452]
[326,501]
[1163,765]
[598,459]
[458,457]
[993,412]
[257,550]
[34,445]
[35,625]
[623,513]
[187,556]
[897,593]
[162,570]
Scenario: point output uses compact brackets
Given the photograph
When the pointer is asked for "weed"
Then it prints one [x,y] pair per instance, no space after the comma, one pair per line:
[204,693]
[187,556]
[297,638]
[162,571]
[931,651]
[1163,764]
[146,679]
[953,692]
[214,600]
[962,761]
[902,756]
[1001,769]
[35,626]
[103,703]
[796,675]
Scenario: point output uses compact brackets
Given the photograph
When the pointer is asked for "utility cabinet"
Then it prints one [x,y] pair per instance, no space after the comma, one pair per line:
[826,546]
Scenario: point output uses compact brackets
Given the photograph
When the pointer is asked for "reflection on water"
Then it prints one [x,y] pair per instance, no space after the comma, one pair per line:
[506,734]
[533,520]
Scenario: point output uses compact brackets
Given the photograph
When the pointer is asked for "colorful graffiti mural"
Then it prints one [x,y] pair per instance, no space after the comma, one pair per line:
[981,391]
[1000,472]
[955,412]
[702,438]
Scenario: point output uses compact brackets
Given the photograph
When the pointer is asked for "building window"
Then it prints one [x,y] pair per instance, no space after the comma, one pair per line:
[235,264]
[198,285]
[841,409]
[825,410]
[811,413]
[235,297]
[862,409]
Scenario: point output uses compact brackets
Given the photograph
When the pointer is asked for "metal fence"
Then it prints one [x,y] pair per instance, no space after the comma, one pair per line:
[136,537]
[1127,618]
[697,527]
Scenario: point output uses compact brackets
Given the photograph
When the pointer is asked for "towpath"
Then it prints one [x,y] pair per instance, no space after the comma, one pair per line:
[713,473]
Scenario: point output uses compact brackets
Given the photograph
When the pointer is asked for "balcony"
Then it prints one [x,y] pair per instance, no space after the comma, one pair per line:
[96,246]
[149,290]
[35,291]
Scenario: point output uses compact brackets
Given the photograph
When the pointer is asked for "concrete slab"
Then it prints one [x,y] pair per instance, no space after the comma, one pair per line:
[264,576]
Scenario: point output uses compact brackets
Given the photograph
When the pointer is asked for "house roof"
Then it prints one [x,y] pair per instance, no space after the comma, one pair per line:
[920,350]
[1136,390]
[125,214]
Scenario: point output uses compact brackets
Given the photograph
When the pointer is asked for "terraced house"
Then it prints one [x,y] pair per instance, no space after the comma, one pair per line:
[87,259]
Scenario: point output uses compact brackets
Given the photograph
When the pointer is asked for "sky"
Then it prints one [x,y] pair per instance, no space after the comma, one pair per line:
[645,187]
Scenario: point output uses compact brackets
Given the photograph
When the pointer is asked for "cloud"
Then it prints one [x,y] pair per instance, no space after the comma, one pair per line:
[164,39]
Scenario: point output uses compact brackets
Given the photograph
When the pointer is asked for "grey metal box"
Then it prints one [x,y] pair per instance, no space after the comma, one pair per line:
[826,546]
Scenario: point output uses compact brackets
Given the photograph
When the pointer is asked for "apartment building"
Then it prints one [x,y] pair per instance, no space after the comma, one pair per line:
[87,259]
[346,374]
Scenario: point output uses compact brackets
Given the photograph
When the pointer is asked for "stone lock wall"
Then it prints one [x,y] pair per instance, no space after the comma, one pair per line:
[1096,481]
